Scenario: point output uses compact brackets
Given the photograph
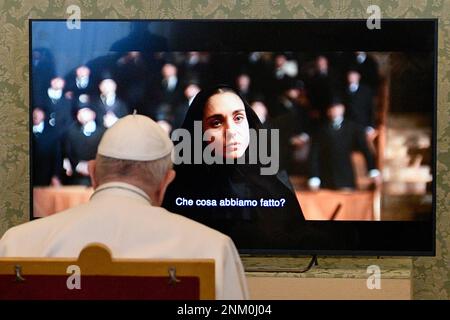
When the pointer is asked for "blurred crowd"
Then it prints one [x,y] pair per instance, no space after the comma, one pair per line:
[323,104]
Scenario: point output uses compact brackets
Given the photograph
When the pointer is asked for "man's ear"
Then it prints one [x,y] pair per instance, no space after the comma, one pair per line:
[170,175]
[91,169]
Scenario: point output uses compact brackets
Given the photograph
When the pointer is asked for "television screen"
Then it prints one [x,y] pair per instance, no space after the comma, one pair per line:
[291,137]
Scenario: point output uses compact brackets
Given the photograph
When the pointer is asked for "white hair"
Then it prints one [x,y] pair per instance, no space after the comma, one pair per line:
[150,173]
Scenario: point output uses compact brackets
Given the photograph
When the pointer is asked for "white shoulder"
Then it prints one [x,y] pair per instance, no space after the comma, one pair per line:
[26,235]
[198,227]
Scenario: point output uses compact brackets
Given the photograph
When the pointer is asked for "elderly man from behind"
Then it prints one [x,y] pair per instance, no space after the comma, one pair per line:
[131,172]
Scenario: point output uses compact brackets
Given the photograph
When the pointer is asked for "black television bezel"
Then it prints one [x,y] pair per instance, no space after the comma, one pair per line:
[416,35]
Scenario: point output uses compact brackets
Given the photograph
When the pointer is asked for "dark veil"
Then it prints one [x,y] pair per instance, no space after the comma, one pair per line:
[249,227]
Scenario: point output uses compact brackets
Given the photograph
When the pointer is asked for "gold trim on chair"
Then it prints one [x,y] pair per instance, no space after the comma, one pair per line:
[96,260]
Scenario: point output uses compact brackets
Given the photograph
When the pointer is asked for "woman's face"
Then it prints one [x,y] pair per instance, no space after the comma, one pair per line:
[225,122]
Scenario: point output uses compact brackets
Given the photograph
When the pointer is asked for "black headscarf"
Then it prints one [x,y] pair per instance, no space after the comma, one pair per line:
[250,227]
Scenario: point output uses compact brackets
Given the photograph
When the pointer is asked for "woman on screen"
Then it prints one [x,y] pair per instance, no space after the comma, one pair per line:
[254,209]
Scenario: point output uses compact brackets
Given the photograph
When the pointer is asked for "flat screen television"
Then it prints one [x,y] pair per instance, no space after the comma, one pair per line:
[342,119]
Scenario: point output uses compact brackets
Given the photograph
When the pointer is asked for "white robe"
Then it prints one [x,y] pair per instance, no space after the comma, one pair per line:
[120,216]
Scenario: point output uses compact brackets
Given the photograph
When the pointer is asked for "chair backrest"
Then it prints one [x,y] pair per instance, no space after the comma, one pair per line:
[95,275]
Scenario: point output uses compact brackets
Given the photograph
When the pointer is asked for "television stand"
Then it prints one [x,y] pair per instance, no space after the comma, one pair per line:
[280,277]
[293,269]
[310,265]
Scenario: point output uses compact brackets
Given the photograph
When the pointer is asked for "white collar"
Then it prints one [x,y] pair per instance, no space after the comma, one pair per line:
[39,128]
[122,188]
[54,94]
[361,57]
[337,123]
[353,87]
[109,99]
[82,82]
[171,83]
[89,128]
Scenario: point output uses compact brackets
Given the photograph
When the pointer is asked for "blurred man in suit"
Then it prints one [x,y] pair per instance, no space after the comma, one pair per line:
[332,146]
[43,71]
[359,100]
[292,119]
[244,86]
[47,158]
[170,84]
[108,107]
[368,68]
[167,95]
[133,74]
[179,112]
[259,106]
[320,86]
[81,144]
[79,82]
[283,70]
[57,107]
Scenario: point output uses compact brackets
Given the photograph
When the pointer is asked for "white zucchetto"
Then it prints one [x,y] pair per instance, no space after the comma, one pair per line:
[135,137]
